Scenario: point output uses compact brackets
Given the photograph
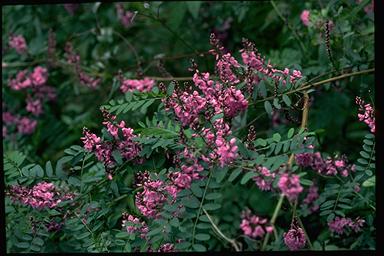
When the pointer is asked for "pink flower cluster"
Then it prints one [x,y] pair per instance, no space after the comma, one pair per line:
[18,43]
[42,195]
[168,247]
[103,149]
[294,239]
[74,58]
[133,225]
[153,196]
[264,179]
[143,85]
[305,17]
[340,225]
[256,64]
[126,17]
[36,81]
[290,185]
[326,166]
[254,226]
[215,100]
[24,125]
[37,78]
[367,113]
[225,66]
[311,198]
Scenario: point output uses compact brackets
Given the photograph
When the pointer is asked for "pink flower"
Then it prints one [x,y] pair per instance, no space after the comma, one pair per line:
[34,106]
[26,125]
[294,239]
[290,185]
[265,178]
[254,226]
[39,76]
[168,247]
[18,43]
[339,225]
[144,85]
[305,17]
[368,116]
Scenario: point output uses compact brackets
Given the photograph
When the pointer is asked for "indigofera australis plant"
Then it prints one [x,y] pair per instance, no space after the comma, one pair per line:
[159,186]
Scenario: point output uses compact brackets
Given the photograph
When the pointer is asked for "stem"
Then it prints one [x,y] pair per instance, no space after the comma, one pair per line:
[308,85]
[273,220]
[231,241]
[303,48]
[200,207]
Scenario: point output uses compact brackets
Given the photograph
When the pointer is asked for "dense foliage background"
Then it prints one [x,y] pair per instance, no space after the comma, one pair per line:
[125,41]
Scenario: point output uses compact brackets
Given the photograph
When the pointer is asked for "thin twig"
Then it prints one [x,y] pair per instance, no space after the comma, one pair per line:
[231,241]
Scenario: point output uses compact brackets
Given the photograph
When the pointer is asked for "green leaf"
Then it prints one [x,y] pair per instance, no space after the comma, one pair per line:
[212,196]
[247,177]
[220,173]
[196,190]
[268,107]
[48,169]
[287,100]
[290,133]
[306,182]
[123,235]
[38,241]
[199,248]
[190,202]
[202,237]
[193,8]
[260,142]
[276,137]
[22,245]
[170,88]
[212,207]
[368,142]
[276,103]
[369,182]
[234,174]
[364,154]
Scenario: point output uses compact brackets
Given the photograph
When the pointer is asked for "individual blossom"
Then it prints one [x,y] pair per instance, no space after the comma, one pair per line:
[143,85]
[305,15]
[233,102]
[226,151]
[367,114]
[254,226]
[290,185]
[294,239]
[18,43]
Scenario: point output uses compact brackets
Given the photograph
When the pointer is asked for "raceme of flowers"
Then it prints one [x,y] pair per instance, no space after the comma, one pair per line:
[264,179]
[329,166]
[18,43]
[367,114]
[24,124]
[253,225]
[290,185]
[84,78]
[143,85]
[127,148]
[42,195]
[311,197]
[294,239]
[341,225]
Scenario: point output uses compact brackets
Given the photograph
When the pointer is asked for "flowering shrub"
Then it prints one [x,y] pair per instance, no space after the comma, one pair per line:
[114,143]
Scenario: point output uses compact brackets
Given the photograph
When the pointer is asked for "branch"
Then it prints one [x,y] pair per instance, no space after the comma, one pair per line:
[231,241]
